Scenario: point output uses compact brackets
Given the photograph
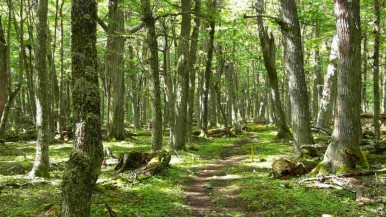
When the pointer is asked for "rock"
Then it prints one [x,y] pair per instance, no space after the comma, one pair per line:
[286,167]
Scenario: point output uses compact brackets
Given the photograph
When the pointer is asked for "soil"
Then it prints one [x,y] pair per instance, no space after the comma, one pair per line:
[206,192]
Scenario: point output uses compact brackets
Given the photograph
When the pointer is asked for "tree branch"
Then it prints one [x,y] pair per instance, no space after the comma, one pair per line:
[102,24]
[274,18]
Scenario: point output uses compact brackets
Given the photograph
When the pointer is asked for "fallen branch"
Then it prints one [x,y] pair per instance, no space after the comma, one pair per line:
[322,178]
[319,129]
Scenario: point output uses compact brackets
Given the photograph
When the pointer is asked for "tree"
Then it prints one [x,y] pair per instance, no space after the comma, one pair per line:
[4,74]
[329,89]
[183,69]
[85,161]
[193,68]
[114,69]
[344,153]
[211,4]
[294,67]
[267,44]
[152,44]
[43,110]
[377,39]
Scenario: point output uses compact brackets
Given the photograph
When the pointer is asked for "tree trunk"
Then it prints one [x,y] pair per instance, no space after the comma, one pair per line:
[318,79]
[151,39]
[4,74]
[344,154]
[85,161]
[135,100]
[377,30]
[183,69]
[193,68]
[114,68]
[41,164]
[208,68]
[267,44]
[329,90]
[294,67]
[364,101]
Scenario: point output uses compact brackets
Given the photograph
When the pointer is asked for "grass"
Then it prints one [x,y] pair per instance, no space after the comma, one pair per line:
[251,188]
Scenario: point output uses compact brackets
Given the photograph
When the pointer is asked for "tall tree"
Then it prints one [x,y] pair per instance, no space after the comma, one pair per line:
[329,89]
[85,161]
[183,69]
[267,44]
[41,164]
[4,74]
[211,4]
[344,153]
[193,68]
[114,68]
[377,39]
[294,66]
[152,44]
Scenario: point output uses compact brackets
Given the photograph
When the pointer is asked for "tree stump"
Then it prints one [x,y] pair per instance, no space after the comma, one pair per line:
[131,160]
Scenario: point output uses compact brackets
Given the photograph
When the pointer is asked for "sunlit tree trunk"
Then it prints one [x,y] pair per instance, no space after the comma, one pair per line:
[135,100]
[183,69]
[85,161]
[267,44]
[41,164]
[344,154]
[329,89]
[294,67]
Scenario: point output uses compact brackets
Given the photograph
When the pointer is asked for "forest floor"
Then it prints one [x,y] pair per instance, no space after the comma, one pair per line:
[218,178]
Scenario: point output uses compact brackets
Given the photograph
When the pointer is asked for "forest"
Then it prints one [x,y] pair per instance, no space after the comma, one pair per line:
[192,108]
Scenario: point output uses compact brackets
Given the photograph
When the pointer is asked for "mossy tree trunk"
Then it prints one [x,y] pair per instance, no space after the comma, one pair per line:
[344,153]
[152,44]
[85,161]
[294,66]
[41,164]
[267,44]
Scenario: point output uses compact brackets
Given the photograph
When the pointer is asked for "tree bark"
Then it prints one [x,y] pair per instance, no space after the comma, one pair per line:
[183,70]
[151,40]
[114,69]
[43,110]
[211,4]
[294,67]
[329,89]
[377,39]
[267,44]
[193,67]
[4,74]
[343,153]
[85,161]
[364,100]
[135,100]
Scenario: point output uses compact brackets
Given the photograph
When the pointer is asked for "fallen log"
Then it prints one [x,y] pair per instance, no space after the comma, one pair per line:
[322,178]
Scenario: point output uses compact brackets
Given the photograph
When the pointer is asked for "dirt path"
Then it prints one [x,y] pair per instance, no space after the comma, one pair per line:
[205,192]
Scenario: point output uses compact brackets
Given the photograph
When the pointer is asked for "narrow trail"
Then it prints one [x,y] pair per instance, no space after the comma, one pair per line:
[206,192]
